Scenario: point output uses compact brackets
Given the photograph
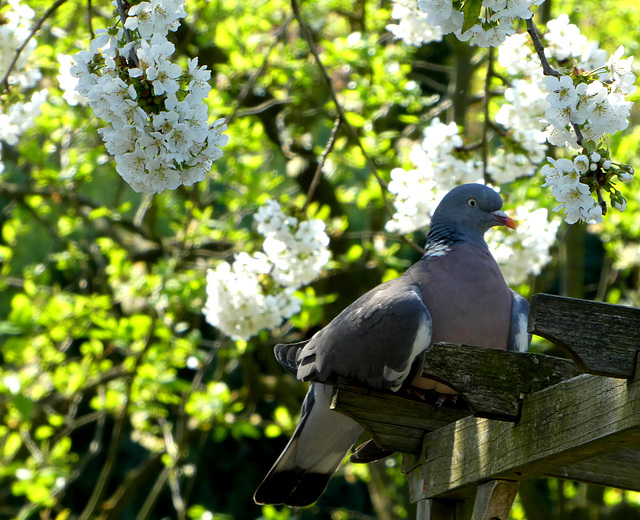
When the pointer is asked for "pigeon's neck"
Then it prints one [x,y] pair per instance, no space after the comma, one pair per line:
[442,238]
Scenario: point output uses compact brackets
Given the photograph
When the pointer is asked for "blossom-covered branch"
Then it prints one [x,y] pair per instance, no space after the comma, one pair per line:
[158,127]
[17,43]
[572,106]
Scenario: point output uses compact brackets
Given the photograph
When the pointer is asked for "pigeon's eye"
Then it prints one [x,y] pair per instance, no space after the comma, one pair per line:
[472,203]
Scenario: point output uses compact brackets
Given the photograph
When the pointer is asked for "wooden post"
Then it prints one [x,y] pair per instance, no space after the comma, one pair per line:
[444,509]
[494,500]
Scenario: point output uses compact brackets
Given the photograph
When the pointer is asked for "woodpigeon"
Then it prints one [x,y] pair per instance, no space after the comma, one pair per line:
[454,293]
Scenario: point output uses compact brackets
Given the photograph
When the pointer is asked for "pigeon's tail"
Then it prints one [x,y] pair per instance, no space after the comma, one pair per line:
[318,446]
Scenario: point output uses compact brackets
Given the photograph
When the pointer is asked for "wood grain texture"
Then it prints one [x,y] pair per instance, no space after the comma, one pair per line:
[620,469]
[493,381]
[395,423]
[602,338]
[573,421]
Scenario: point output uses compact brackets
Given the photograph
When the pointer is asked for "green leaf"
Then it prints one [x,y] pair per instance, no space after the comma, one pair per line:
[355,119]
[471,10]
[23,404]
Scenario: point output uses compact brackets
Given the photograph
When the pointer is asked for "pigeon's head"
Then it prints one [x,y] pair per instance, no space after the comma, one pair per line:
[471,209]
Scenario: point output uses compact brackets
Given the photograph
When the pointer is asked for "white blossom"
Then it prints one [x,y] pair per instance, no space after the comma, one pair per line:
[437,170]
[524,252]
[412,26]
[158,141]
[562,92]
[14,30]
[68,82]
[239,303]
[17,116]
[434,18]
[564,40]
[298,251]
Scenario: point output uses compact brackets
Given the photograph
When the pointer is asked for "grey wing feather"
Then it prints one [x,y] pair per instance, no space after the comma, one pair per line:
[287,355]
[375,340]
[519,338]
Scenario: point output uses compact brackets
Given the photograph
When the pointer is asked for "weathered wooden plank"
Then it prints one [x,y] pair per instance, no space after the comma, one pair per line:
[570,422]
[395,423]
[493,381]
[602,338]
[620,469]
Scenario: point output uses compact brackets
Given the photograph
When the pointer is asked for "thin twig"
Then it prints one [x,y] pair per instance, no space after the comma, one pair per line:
[308,36]
[249,86]
[318,174]
[195,385]
[173,450]
[36,28]
[578,131]
[127,34]
[601,201]
[152,497]
[116,436]
[484,151]
[90,19]
[262,107]
[123,18]
[547,69]
[31,446]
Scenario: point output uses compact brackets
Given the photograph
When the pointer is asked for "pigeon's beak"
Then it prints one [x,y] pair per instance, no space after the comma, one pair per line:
[504,219]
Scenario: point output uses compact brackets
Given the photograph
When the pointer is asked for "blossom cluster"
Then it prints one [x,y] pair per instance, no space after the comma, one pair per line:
[425,21]
[158,127]
[526,252]
[257,291]
[569,182]
[16,116]
[15,27]
[412,26]
[437,170]
[591,95]
[598,107]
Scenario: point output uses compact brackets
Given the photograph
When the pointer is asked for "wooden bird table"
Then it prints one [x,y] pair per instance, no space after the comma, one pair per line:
[528,414]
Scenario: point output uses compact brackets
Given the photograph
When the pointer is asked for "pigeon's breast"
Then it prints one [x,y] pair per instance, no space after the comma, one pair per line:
[467,297]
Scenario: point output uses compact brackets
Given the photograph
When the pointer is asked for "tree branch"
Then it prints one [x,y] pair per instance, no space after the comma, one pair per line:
[547,69]
[484,151]
[249,86]
[36,28]
[306,32]
[127,34]
[323,158]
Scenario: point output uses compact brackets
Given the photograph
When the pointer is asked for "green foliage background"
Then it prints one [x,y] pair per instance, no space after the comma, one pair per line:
[117,400]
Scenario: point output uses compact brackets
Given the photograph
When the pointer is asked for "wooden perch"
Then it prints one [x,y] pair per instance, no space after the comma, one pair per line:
[492,382]
[602,338]
[395,423]
[559,429]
